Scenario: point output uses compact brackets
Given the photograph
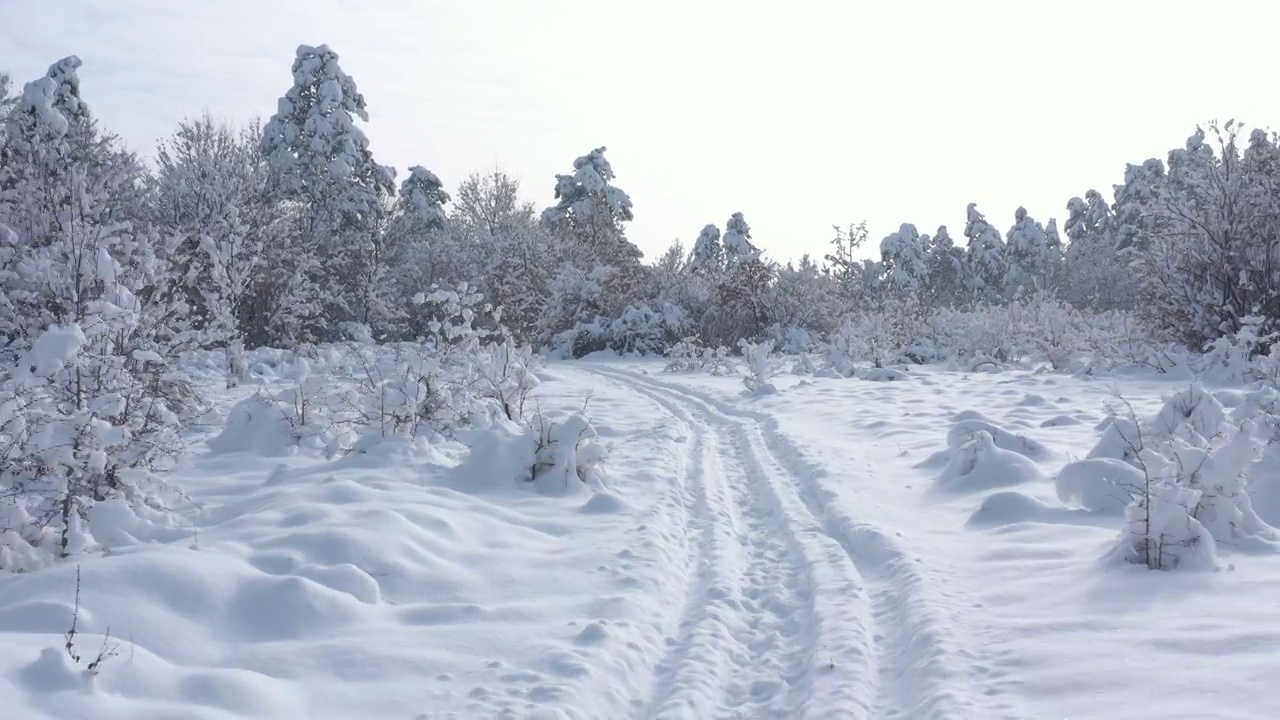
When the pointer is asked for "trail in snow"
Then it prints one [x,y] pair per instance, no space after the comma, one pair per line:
[795,609]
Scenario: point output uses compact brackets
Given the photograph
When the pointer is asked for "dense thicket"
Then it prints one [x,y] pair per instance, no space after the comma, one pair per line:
[288,232]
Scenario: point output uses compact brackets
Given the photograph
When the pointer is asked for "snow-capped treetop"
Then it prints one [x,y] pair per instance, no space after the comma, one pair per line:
[1052,236]
[905,257]
[1137,206]
[1087,217]
[312,141]
[592,210]
[423,194]
[708,254]
[982,237]
[36,124]
[1028,254]
[986,249]
[67,90]
[737,240]
[587,191]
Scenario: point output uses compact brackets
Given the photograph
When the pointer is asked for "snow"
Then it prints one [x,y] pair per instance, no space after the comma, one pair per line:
[932,547]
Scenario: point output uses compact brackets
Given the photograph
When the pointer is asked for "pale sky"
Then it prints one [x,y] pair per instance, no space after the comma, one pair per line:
[800,114]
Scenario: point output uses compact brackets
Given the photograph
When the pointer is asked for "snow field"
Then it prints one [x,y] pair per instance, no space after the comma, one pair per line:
[1038,623]
[929,547]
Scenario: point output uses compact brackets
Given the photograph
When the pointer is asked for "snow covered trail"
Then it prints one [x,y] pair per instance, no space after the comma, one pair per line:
[797,608]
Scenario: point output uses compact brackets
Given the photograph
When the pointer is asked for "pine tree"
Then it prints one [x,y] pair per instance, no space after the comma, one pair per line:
[320,160]
[707,259]
[905,259]
[1029,256]
[591,211]
[737,241]
[946,270]
[985,259]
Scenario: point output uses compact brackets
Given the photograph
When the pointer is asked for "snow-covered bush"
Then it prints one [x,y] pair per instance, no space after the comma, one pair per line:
[979,463]
[503,370]
[1160,530]
[77,427]
[1034,329]
[567,454]
[759,365]
[1190,490]
[639,330]
[1242,356]
[690,355]
[804,365]
[881,338]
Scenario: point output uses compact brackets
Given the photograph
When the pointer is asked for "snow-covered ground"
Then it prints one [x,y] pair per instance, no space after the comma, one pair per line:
[816,552]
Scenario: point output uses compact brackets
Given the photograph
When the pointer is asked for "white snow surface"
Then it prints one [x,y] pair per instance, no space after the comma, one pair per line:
[834,549]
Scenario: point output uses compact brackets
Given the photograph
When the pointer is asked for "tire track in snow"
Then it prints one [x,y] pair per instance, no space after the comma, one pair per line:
[745,630]
[900,644]
[781,626]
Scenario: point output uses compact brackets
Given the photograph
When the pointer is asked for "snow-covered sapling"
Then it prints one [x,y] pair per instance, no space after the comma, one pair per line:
[759,360]
[566,450]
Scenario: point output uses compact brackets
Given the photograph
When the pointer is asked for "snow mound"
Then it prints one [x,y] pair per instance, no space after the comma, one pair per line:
[980,464]
[1193,407]
[968,425]
[1121,440]
[603,503]
[566,456]
[1264,486]
[1103,485]
[1007,507]
[554,456]
[255,426]
[874,374]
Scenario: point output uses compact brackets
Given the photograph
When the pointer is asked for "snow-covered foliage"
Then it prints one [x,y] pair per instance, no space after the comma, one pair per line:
[985,255]
[423,196]
[1181,479]
[591,210]
[567,454]
[690,355]
[291,234]
[760,366]
[905,258]
[737,241]
[707,258]
[320,161]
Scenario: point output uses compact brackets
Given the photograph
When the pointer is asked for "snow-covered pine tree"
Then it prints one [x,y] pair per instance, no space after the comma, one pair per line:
[320,160]
[591,211]
[1029,256]
[413,235]
[984,274]
[905,259]
[588,221]
[1096,270]
[707,258]
[737,241]
[946,270]
[742,293]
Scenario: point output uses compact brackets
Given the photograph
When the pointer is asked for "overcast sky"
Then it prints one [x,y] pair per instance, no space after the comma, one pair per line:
[800,114]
